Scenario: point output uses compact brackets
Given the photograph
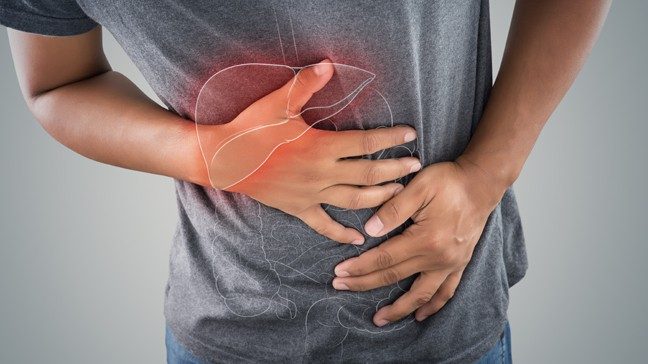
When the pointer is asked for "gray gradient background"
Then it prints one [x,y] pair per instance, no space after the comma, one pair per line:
[84,246]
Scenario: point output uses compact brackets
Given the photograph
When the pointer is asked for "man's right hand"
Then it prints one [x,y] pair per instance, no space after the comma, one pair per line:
[310,166]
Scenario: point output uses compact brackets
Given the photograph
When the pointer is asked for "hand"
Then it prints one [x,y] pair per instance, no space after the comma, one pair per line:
[305,166]
[449,203]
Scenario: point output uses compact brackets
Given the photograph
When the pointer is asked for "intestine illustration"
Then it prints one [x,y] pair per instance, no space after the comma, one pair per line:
[293,260]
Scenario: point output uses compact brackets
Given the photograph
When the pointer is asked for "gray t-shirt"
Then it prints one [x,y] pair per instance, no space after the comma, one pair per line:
[249,283]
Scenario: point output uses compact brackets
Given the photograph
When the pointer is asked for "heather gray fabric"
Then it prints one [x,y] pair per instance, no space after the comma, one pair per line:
[249,283]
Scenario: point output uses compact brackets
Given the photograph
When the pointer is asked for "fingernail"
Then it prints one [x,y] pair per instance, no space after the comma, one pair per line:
[358,242]
[340,286]
[409,136]
[398,189]
[415,167]
[341,271]
[373,226]
[381,322]
[321,67]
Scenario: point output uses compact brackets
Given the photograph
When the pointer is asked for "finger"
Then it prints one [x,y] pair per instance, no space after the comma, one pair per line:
[386,255]
[421,292]
[396,211]
[354,198]
[305,83]
[351,143]
[323,224]
[445,292]
[365,172]
[380,278]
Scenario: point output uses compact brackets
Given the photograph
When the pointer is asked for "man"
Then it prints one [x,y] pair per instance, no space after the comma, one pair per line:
[279,255]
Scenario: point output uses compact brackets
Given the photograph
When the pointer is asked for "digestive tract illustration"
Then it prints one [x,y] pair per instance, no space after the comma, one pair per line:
[293,265]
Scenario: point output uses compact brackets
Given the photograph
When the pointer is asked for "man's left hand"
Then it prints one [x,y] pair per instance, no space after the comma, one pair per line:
[449,204]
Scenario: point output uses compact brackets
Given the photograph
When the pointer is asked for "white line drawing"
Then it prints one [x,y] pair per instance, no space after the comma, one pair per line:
[286,259]
[340,105]
[279,34]
[292,31]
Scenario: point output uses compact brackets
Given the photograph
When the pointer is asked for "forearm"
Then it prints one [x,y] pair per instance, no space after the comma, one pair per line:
[547,45]
[108,119]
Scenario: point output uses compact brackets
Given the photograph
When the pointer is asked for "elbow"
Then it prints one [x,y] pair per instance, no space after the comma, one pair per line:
[44,109]
[51,106]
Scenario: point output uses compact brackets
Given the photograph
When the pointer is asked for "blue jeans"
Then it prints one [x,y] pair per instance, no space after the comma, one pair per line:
[499,354]
[176,353]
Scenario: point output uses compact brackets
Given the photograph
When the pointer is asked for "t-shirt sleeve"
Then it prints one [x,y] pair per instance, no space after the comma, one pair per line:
[47,17]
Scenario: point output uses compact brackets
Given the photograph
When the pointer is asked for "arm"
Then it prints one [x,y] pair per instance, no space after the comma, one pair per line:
[547,45]
[70,88]
[450,202]
[100,114]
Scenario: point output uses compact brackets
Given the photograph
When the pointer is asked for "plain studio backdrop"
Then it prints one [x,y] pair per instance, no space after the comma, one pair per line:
[84,246]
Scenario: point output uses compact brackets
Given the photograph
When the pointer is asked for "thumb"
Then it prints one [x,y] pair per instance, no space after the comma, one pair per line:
[306,82]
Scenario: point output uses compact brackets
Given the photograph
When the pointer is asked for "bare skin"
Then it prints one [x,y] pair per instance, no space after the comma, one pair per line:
[449,202]
[99,113]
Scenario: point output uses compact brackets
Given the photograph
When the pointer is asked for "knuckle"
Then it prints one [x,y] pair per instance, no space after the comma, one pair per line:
[447,256]
[392,211]
[422,298]
[434,243]
[435,307]
[300,79]
[321,229]
[396,138]
[384,258]
[355,202]
[420,187]
[405,168]
[389,276]
[446,295]
[370,143]
[372,175]
[360,287]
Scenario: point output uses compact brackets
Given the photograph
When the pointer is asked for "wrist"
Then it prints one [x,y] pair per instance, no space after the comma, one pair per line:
[194,168]
[501,169]
[495,178]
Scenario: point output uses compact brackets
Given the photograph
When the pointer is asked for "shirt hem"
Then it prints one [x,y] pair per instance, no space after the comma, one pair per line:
[470,354]
[45,25]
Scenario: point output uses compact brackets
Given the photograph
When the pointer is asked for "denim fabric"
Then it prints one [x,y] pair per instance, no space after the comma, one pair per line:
[501,352]
[176,353]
